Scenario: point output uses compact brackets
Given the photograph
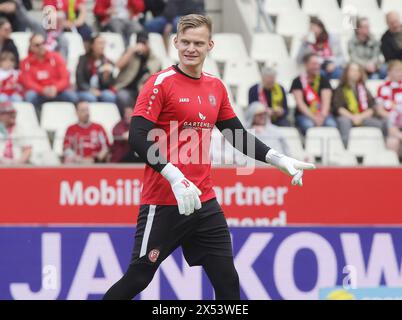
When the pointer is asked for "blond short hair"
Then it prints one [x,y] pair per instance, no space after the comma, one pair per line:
[192,21]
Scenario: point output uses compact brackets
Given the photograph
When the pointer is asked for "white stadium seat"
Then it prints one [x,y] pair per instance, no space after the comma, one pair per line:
[228,47]
[361,7]
[114,46]
[157,45]
[105,114]
[75,50]
[365,140]
[211,67]
[42,153]
[241,72]
[315,7]
[392,5]
[172,51]
[326,143]
[378,23]
[294,143]
[58,141]
[292,23]
[26,115]
[335,23]
[21,40]
[277,7]
[373,85]
[287,71]
[57,115]
[383,158]
[268,47]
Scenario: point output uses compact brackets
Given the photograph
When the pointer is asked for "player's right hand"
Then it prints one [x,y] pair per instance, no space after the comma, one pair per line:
[187,196]
[186,193]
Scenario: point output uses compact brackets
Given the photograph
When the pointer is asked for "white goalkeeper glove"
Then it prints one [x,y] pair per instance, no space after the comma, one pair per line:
[289,165]
[186,193]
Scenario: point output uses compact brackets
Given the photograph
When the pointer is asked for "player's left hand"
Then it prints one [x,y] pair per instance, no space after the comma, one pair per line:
[288,165]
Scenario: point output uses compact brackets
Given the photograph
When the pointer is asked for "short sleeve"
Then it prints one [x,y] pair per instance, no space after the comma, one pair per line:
[325,84]
[296,85]
[226,110]
[150,101]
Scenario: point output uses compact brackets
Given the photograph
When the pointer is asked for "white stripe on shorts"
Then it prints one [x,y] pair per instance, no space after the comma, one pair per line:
[148,227]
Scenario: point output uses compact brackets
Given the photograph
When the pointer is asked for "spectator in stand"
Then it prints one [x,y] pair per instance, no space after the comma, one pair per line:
[156,7]
[353,103]
[10,89]
[326,46]
[136,65]
[75,12]
[121,151]
[8,10]
[55,39]
[313,95]
[394,140]
[14,146]
[44,75]
[94,74]
[121,16]
[365,50]
[272,95]
[390,93]
[6,43]
[391,41]
[85,142]
[166,23]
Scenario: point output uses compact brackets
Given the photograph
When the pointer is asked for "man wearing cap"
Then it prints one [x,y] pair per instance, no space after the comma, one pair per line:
[14,146]
[136,65]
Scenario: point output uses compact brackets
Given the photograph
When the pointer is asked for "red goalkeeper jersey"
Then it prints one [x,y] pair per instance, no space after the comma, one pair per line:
[185,110]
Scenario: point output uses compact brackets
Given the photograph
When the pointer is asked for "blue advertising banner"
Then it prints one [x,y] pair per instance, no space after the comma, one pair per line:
[273,263]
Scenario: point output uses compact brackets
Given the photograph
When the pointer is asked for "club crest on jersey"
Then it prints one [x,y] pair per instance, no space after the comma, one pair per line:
[212,100]
[202,117]
[153,255]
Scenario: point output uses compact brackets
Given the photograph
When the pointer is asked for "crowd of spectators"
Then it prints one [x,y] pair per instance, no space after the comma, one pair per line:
[43,76]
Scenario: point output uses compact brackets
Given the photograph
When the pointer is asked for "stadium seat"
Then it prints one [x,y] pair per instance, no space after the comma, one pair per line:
[57,115]
[242,95]
[344,40]
[211,67]
[172,51]
[326,143]
[292,23]
[383,158]
[26,115]
[361,7]
[75,50]
[58,141]
[373,85]
[287,71]
[105,114]
[268,47]
[365,140]
[114,46]
[315,7]
[295,45]
[42,153]
[241,72]
[21,40]
[277,7]
[294,142]
[391,5]
[157,45]
[378,24]
[335,23]
[229,47]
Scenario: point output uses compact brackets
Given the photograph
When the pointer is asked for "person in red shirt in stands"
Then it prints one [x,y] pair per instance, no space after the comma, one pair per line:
[76,14]
[121,149]
[44,75]
[10,88]
[120,16]
[85,142]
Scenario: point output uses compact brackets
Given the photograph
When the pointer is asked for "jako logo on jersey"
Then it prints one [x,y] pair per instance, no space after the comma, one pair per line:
[185,183]
[212,100]
[153,255]
[202,117]
[184,100]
